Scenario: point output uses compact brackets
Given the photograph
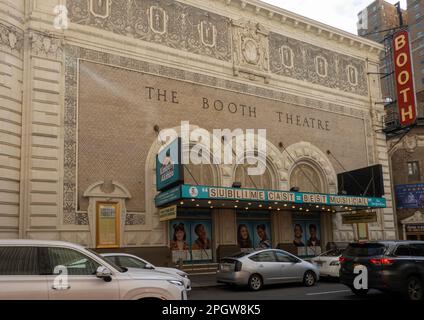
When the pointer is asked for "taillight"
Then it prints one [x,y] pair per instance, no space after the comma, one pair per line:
[342,259]
[382,261]
[237,266]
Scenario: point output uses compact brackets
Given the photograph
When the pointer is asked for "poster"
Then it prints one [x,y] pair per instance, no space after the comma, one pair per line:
[254,235]
[307,237]
[410,196]
[190,240]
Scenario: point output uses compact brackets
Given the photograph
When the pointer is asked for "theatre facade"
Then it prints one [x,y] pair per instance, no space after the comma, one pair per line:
[82,104]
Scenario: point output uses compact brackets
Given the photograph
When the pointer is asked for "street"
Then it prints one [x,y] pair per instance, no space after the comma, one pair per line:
[324,290]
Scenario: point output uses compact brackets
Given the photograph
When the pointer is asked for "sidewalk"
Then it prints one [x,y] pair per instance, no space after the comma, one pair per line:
[203,280]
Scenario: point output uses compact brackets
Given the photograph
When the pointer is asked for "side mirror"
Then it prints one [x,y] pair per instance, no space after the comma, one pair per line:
[104,273]
[149,266]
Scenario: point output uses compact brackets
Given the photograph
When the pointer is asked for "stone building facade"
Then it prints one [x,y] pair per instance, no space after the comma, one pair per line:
[79,107]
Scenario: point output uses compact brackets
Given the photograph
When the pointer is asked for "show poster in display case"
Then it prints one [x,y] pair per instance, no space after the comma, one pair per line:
[190,240]
[307,236]
[253,235]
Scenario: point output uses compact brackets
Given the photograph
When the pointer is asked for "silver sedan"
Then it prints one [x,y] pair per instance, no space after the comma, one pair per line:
[265,267]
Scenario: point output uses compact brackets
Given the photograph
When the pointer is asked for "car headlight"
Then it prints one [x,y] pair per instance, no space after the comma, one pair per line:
[334,263]
[176,283]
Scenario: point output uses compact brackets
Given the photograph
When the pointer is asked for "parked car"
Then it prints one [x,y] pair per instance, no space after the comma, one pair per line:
[394,266]
[264,267]
[31,269]
[328,263]
[130,261]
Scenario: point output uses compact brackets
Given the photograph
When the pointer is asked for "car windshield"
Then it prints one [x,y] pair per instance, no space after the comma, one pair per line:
[120,269]
[365,249]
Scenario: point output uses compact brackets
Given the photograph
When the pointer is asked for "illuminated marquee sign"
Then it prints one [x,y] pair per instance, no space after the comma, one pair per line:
[405,91]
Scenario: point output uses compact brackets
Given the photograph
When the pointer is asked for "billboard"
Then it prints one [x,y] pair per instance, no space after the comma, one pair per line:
[404,78]
[169,170]
[410,196]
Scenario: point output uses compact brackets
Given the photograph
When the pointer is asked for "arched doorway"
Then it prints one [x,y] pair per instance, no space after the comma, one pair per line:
[308,235]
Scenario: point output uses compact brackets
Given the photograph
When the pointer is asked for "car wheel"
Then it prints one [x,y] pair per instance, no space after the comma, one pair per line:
[309,279]
[359,292]
[255,282]
[414,288]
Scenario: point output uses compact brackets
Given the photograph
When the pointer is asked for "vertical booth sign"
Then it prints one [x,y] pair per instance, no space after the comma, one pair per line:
[405,91]
[169,168]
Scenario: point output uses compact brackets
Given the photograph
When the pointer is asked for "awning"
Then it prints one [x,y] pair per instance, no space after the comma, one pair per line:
[258,199]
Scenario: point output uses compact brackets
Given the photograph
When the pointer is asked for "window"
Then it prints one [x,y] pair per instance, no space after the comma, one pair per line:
[267,256]
[281,257]
[417,250]
[129,262]
[414,170]
[75,262]
[19,261]
[402,251]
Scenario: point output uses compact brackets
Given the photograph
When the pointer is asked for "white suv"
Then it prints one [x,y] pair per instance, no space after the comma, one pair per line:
[32,269]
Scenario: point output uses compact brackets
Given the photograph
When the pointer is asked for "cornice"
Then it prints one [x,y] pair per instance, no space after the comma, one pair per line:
[284,17]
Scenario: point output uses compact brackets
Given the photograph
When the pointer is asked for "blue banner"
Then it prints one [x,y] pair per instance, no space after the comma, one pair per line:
[410,196]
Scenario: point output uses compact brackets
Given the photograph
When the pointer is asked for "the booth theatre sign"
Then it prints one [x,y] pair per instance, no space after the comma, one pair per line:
[172,97]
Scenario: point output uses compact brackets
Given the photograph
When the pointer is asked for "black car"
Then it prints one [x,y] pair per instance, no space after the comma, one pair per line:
[393,266]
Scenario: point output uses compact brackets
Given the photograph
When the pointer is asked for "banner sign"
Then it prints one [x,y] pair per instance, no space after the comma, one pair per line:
[169,170]
[168,196]
[359,217]
[410,196]
[168,213]
[222,193]
[405,90]
[414,228]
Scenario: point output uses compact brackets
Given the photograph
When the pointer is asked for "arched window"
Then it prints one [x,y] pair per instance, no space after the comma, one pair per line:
[248,181]
[307,178]
[201,174]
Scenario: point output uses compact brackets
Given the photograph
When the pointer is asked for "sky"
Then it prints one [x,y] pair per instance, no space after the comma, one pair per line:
[341,14]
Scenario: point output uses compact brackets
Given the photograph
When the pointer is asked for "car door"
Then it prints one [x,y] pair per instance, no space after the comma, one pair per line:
[266,265]
[72,275]
[417,252]
[289,269]
[20,274]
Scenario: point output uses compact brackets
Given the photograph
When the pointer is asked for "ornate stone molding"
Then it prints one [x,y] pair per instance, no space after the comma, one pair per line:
[46,46]
[100,8]
[11,40]
[250,50]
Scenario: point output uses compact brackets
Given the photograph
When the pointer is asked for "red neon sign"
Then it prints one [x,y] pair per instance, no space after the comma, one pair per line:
[405,90]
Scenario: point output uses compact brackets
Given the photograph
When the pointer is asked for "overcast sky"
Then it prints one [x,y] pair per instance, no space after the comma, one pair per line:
[341,14]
